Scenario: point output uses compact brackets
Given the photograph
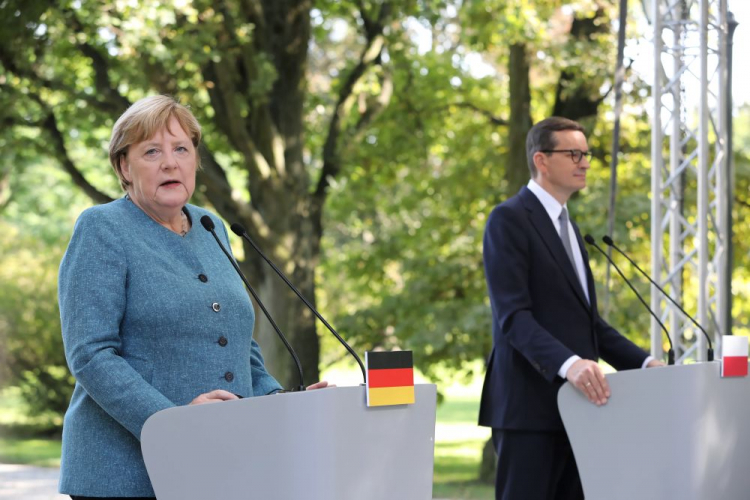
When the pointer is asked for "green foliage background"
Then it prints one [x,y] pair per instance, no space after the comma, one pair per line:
[400,263]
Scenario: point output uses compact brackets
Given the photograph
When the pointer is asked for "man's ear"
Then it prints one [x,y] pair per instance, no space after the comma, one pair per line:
[540,162]
[125,168]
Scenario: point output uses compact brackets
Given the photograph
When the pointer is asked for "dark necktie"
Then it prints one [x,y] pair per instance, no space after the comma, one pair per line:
[565,236]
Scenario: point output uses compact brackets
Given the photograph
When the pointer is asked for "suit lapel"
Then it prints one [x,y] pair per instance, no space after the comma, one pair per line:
[546,229]
[586,268]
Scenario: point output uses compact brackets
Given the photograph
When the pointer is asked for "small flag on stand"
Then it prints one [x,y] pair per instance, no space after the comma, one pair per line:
[390,378]
[734,356]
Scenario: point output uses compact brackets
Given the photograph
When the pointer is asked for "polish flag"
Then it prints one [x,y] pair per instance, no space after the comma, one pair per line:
[734,356]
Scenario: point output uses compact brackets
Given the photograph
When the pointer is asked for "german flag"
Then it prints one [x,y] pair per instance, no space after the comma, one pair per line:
[390,378]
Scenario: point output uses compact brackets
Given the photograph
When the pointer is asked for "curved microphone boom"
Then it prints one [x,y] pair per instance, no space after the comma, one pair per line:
[606,239]
[208,225]
[241,232]
[670,354]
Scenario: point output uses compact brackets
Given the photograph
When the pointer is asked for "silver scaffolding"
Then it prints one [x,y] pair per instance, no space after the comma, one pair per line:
[690,173]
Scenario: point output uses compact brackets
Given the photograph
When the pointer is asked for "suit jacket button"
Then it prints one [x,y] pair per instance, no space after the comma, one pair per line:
[222,341]
[216,307]
[203,277]
[229,376]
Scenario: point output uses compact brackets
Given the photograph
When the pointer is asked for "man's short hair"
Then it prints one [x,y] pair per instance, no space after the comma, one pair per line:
[541,137]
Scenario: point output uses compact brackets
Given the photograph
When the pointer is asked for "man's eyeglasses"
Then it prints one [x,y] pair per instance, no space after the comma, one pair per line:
[575,154]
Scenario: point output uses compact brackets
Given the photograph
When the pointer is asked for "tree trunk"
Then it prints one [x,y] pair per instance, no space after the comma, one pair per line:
[516,173]
[577,97]
[517,170]
[293,318]
[282,196]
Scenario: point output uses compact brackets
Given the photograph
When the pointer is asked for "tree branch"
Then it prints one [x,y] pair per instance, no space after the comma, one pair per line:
[742,202]
[495,120]
[220,193]
[232,76]
[31,74]
[8,121]
[6,195]
[49,124]
[376,107]
[369,57]
[612,87]
[104,87]
[229,120]
[253,11]
[58,143]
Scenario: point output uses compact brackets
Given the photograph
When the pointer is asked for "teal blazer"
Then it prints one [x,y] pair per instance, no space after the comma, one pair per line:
[150,320]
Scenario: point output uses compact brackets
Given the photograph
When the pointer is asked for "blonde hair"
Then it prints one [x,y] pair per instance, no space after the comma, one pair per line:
[144,119]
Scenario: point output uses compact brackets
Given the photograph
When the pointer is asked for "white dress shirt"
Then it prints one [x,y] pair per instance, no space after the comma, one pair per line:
[554,209]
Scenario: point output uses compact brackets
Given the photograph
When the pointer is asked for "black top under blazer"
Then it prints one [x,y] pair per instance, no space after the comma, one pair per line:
[540,318]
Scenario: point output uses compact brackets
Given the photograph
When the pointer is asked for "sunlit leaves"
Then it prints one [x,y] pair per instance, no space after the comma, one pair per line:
[401,263]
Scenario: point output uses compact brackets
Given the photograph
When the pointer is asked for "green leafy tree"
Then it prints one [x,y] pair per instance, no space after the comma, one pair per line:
[70,68]
[362,143]
[741,229]
[407,223]
[410,224]
[31,351]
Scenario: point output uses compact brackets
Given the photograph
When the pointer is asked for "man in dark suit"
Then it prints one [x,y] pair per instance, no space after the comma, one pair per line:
[546,328]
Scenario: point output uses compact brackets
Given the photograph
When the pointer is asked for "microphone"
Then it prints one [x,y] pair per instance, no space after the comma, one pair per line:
[208,225]
[241,232]
[606,239]
[670,354]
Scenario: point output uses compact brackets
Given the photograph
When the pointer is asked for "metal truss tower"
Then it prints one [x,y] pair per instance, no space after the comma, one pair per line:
[690,173]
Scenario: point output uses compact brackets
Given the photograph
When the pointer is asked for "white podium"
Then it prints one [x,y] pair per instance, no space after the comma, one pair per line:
[318,445]
[677,432]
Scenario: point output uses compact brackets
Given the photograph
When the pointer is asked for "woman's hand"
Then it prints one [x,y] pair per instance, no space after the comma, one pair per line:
[320,385]
[216,396]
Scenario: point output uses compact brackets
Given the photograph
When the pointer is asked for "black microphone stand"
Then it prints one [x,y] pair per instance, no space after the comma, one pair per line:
[208,225]
[670,354]
[240,231]
[710,356]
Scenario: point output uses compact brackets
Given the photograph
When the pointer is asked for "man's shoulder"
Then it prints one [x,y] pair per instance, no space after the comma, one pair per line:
[513,206]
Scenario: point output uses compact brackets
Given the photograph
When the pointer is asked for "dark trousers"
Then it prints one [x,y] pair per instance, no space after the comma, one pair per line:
[535,466]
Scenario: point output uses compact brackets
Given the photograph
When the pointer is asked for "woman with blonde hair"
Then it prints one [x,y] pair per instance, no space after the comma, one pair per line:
[153,314]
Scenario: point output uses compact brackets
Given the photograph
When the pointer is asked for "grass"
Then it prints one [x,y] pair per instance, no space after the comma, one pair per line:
[15,419]
[39,452]
[458,440]
[23,439]
[458,444]
[458,450]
